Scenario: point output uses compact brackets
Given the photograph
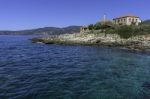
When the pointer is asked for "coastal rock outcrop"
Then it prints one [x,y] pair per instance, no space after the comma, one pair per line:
[141,42]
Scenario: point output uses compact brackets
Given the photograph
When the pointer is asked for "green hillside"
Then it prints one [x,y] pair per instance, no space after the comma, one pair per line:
[46,30]
[146,22]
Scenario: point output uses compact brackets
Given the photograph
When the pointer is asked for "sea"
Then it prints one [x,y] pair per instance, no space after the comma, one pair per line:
[39,71]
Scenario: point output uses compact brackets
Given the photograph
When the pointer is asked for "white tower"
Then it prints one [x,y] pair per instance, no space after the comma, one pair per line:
[104,17]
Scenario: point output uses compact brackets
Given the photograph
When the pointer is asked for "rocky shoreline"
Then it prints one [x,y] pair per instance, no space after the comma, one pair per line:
[139,43]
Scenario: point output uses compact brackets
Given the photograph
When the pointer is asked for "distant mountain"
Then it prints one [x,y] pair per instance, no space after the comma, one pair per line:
[44,31]
[147,22]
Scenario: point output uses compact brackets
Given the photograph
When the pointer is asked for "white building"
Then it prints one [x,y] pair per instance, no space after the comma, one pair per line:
[127,20]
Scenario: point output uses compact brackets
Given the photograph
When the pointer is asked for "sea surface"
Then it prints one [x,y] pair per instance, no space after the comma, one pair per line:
[38,71]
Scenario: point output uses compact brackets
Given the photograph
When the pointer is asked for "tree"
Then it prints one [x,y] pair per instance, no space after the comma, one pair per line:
[91,27]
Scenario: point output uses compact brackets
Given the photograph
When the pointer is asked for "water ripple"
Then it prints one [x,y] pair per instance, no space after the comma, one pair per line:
[37,71]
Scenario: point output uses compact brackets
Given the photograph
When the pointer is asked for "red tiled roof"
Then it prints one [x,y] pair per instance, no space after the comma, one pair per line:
[127,16]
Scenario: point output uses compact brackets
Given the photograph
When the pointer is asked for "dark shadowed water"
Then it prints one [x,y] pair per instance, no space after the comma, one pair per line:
[38,71]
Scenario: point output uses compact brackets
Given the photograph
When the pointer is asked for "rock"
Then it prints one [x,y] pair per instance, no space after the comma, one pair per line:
[111,40]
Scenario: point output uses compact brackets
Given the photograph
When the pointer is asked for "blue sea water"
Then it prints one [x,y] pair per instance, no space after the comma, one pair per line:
[37,71]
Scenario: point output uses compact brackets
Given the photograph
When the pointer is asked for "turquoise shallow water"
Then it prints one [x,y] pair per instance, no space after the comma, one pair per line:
[38,71]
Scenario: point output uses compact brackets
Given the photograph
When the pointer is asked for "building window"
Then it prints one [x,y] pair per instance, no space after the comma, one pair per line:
[120,20]
[136,20]
[129,19]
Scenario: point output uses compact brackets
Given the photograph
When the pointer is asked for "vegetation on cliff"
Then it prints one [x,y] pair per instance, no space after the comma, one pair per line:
[123,31]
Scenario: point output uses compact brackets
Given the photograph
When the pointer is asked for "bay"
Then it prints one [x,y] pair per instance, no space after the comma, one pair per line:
[38,71]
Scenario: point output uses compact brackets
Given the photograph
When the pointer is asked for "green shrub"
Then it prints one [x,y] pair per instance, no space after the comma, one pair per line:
[97,26]
[110,31]
[91,27]
[125,31]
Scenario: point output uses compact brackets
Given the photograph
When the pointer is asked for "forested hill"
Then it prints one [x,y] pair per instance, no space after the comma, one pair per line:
[46,30]
[147,22]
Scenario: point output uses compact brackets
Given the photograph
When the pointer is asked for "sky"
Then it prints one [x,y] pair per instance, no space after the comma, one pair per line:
[28,14]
